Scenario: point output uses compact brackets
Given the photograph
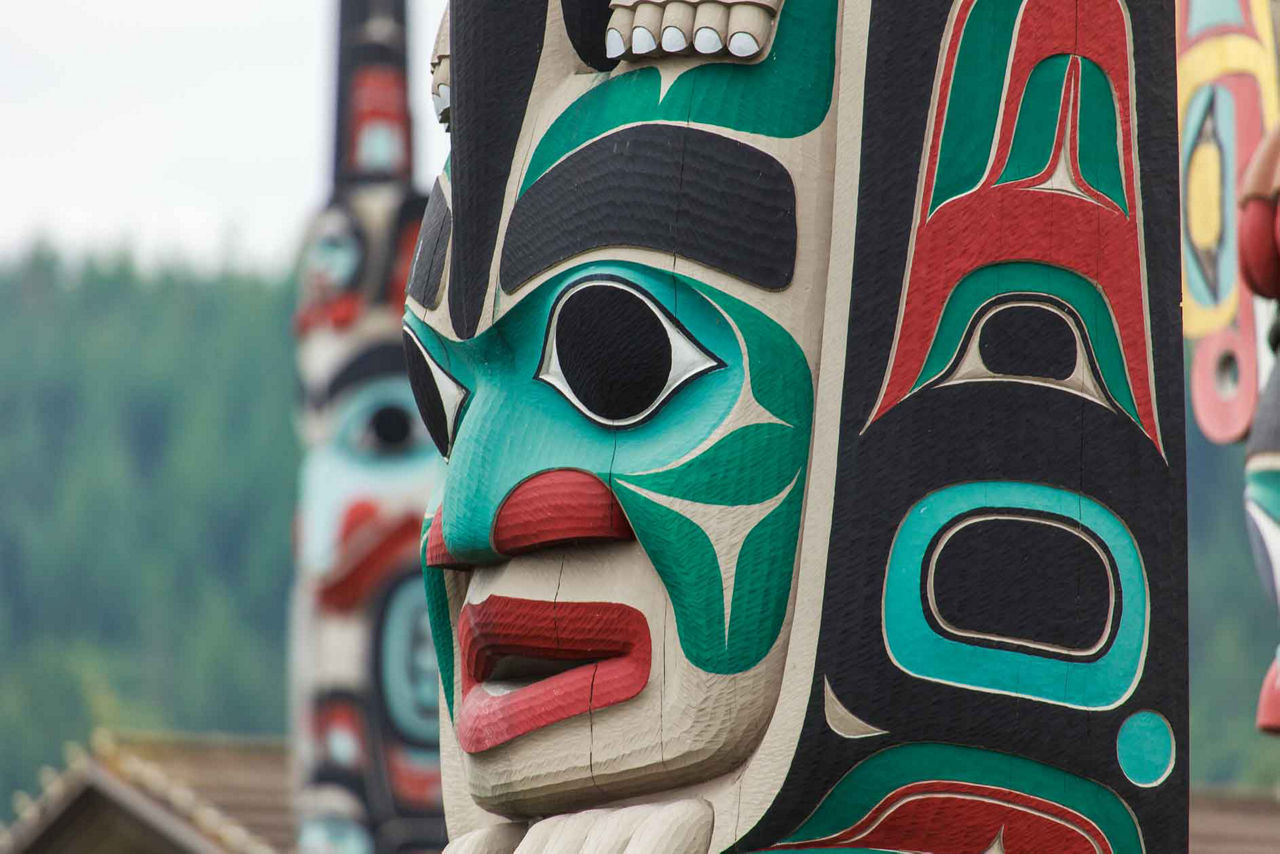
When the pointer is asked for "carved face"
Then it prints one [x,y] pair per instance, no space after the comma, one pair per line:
[614,344]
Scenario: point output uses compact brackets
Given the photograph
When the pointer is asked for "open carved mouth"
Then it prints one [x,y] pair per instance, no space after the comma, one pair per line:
[527,664]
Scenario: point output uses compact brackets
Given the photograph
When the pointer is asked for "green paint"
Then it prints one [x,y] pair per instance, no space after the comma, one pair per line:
[1037,121]
[515,426]
[1263,489]
[1098,135]
[918,649]
[1031,278]
[1145,749]
[438,616]
[786,95]
[866,785]
[973,104]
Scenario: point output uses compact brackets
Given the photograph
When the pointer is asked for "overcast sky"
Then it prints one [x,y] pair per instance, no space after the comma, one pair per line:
[180,128]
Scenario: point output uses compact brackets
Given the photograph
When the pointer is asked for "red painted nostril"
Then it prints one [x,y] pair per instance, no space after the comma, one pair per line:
[438,556]
[555,507]
[1259,260]
[359,515]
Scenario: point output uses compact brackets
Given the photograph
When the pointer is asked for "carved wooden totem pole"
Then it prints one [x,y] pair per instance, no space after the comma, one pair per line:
[365,683]
[809,378]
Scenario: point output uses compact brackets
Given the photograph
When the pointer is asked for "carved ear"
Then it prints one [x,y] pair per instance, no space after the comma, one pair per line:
[640,30]
[441,82]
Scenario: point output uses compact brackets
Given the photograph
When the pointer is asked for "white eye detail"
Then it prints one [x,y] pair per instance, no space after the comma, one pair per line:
[616,355]
[438,395]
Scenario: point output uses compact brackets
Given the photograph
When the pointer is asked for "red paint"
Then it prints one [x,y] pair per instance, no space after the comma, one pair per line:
[336,716]
[1185,40]
[1259,259]
[556,507]
[438,556]
[1007,222]
[379,96]
[338,312]
[1225,413]
[1269,702]
[611,640]
[414,784]
[965,818]
[373,549]
[406,245]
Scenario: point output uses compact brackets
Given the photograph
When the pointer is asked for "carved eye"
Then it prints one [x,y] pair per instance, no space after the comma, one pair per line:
[616,355]
[439,396]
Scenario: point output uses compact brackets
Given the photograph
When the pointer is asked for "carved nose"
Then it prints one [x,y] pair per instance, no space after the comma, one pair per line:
[550,508]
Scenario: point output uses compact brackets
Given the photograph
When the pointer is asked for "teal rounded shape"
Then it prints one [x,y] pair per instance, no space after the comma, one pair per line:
[1145,749]
[916,648]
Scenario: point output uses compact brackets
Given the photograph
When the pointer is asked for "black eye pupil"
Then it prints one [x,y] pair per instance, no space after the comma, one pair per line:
[391,427]
[427,395]
[1028,341]
[614,351]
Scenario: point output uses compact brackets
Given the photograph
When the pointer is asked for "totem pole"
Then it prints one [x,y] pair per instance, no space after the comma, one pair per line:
[1230,105]
[809,378]
[365,683]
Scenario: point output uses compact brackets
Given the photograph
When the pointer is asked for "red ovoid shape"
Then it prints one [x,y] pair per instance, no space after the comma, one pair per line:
[373,546]
[555,507]
[1269,702]
[966,818]
[527,664]
[550,508]
[1259,259]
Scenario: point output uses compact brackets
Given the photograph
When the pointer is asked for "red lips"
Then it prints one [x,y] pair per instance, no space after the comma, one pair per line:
[544,662]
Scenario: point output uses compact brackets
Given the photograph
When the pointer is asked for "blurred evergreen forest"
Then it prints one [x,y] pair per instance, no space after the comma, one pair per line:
[147,475]
[148,463]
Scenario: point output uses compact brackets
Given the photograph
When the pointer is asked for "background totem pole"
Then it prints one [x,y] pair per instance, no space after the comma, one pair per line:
[365,683]
[1228,104]
[809,378]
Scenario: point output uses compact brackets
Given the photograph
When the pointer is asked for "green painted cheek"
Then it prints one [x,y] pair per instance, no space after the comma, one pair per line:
[725,524]
[787,95]
[1037,121]
[1099,157]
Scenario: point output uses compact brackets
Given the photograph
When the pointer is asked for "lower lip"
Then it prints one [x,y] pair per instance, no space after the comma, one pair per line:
[615,639]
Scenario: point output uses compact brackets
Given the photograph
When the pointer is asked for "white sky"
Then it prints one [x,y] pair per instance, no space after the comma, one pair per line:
[183,129]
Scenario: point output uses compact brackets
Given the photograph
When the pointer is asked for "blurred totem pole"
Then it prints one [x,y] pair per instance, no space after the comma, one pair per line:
[1228,106]
[364,679]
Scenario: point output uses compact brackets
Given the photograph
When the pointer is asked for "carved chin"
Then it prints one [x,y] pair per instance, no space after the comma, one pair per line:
[614,730]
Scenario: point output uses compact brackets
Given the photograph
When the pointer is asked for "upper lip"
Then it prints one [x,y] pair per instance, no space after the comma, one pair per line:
[528,663]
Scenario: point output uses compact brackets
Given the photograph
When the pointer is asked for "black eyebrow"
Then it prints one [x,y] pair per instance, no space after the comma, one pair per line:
[699,195]
[433,244]
[374,363]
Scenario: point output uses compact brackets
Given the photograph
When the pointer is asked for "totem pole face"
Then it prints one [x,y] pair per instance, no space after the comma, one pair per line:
[614,344]
[761,384]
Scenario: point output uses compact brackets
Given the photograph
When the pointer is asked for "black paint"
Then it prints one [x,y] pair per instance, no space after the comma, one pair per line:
[1025,580]
[496,47]
[1028,341]
[696,194]
[613,351]
[427,395]
[373,363]
[433,246]
[586,21]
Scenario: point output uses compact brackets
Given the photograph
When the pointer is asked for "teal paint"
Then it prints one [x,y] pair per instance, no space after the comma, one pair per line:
[1145,749]
[917,649]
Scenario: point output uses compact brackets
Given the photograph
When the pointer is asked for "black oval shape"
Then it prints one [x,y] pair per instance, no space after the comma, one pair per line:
[614,351]
[426,395]
[1028,341]
[1023,582]
[391,429]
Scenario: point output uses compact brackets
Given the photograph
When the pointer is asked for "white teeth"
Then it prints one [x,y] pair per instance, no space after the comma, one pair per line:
[707,40]
[673,40]
[743,45]
[614,47]
[642,41]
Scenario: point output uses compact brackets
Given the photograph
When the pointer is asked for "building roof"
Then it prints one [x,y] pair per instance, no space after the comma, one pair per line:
[1235,822]
[160,792]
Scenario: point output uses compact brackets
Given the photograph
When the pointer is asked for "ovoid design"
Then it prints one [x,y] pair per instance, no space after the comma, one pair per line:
[813,425]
